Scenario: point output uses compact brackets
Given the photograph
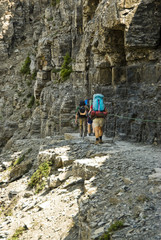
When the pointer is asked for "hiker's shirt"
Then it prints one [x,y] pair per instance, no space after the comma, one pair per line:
[82,115]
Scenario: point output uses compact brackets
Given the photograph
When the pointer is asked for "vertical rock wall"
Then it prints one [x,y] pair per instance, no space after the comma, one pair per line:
[115,50]
[121,48]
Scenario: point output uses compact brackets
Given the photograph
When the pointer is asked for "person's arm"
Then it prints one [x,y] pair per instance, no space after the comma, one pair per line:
[76,116]
[106,110]
[91,109]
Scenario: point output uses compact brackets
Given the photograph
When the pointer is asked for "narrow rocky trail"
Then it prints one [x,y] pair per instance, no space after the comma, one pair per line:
[90,188]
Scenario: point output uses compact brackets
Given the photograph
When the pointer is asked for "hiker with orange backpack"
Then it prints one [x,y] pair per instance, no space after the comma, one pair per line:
[98,113]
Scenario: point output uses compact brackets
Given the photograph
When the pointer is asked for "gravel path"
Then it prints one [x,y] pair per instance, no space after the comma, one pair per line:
[115,181]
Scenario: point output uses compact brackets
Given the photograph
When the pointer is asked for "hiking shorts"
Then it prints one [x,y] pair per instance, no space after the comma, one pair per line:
[89,120]
[98,122]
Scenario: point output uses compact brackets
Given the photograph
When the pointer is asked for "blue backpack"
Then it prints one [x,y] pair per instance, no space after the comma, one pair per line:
[98,104]
[88,102]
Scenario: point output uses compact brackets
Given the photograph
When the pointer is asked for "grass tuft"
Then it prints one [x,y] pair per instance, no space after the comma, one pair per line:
[19,160]
[113,228]
[66,68]
[25,69]
[38,179]
[31,102]
[55,2]
[18,233]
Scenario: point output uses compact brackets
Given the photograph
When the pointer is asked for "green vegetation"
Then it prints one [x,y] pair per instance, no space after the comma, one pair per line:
[33,75]
[50,19]
[8,210]
[25,69]
[19,160]
[113,228]
[37,103]
[31,102]
[29,95]
[66,68]
[38,179]
[18,233]
[142,198]
[56,70]
[55,2]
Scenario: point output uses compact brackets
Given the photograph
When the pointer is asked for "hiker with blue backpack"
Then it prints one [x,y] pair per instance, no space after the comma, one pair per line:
[81,114]
[98,113]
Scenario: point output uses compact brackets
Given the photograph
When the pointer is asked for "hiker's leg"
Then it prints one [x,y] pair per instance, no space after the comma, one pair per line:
[96,131]
[85,126]
[80,127]
[92,128]
[101,124]
[100,131]
[89,128]
[100,134]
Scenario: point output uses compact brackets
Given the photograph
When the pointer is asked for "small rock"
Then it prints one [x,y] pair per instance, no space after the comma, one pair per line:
[12,194]
[28,194]
[44,205]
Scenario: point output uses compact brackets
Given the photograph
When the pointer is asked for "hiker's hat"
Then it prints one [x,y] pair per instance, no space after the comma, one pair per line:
[82,103]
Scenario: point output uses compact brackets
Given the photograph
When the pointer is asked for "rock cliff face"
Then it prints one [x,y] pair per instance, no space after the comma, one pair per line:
[115,50]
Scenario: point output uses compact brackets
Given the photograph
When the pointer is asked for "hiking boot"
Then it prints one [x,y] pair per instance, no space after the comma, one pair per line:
[96,142]
[100,141]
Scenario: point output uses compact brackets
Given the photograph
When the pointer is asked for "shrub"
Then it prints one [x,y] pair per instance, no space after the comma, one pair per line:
[54,2]
[114,227]
[66,68]
[25,69]
[19,160]
[8,211]
[65,73]
[33,75]
[55,70]
[18,233]
[38,179]
[31,102]
[29,82]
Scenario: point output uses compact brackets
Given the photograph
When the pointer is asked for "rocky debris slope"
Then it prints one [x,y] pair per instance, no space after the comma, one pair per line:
[89,188]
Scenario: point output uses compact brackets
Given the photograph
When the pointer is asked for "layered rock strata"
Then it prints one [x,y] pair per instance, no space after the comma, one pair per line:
[115,50]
